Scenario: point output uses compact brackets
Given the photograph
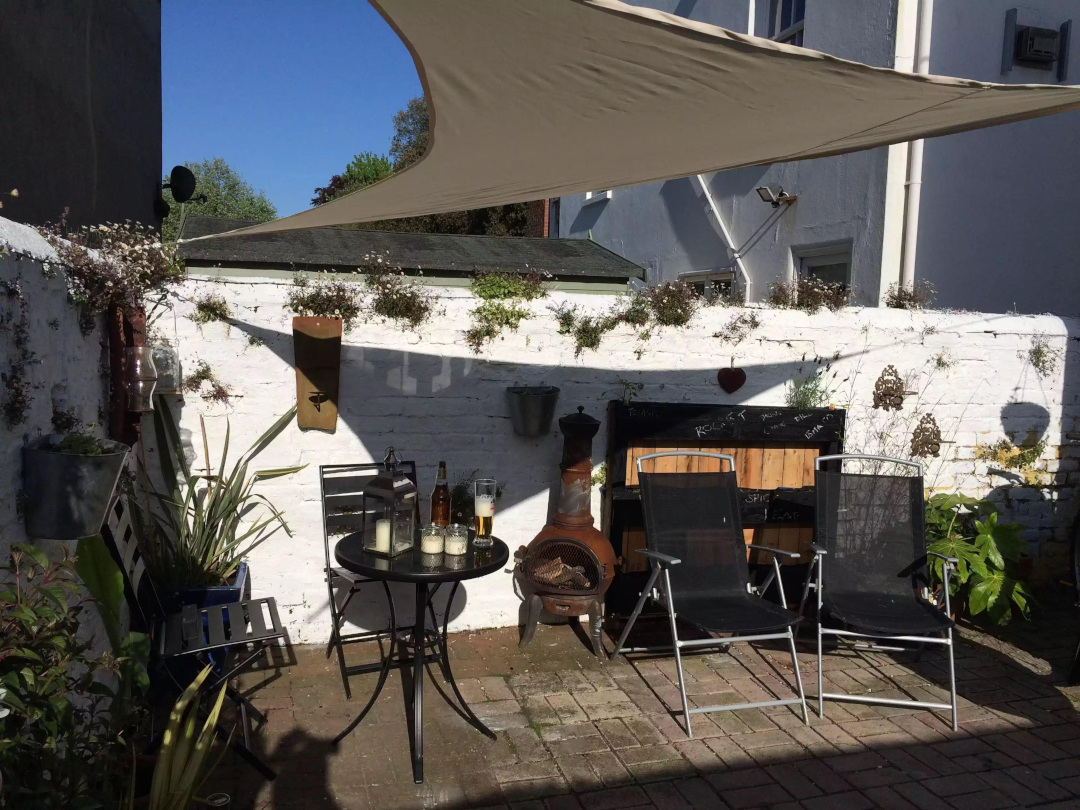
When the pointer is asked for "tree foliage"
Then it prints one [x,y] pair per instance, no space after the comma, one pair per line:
[227,195]
[408,144]
[363,170]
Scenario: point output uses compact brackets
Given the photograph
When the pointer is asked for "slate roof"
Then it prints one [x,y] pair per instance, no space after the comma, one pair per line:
[344,249]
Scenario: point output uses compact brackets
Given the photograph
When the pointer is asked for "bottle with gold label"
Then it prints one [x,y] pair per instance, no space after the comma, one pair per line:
[440,498]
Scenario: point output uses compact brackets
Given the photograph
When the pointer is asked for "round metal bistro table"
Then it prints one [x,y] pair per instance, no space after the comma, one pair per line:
[427,573]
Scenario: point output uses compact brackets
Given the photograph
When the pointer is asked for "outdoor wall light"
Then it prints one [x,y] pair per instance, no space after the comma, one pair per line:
[773,198]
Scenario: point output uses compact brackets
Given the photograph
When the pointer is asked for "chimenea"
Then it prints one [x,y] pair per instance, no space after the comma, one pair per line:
[568,567]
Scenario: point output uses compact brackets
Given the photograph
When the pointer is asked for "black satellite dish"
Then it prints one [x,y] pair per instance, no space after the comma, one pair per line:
[181,183]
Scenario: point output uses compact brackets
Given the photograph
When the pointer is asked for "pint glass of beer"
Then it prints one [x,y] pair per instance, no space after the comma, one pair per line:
[484,509]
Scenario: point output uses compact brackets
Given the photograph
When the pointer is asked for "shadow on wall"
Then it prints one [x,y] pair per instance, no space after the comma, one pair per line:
[431,407]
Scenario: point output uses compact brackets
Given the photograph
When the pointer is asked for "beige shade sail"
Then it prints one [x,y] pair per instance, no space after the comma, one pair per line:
[540,98]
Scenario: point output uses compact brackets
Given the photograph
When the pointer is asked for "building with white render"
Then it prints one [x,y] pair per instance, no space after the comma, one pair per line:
[991,219]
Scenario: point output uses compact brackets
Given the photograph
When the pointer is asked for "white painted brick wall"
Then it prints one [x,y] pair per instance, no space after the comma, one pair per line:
[66,371]
[431,398]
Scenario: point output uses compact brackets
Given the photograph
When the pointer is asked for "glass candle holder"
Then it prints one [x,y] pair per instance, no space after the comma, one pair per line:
[457,540]
[431,539]
[140,378]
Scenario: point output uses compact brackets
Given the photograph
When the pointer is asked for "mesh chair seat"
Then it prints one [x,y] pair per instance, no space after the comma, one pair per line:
[735,614]
[886,613]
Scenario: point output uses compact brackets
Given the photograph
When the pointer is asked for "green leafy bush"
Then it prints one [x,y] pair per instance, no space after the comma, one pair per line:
[63,737]
[969,529]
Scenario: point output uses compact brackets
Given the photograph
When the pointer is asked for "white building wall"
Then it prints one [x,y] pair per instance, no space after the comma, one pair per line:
[998,227]
[667,228]
[431,398]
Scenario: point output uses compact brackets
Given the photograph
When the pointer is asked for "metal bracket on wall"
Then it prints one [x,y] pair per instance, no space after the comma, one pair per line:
[1063,51]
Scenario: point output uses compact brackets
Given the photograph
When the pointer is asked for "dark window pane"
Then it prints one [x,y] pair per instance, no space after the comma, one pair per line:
[830,273]
[800,11]
[786,18]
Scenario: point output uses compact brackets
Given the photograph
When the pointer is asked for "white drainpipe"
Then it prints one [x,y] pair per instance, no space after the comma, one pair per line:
[724,232]
[915,159]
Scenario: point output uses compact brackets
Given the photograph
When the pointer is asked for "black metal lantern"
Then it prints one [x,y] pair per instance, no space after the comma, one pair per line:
[390,501]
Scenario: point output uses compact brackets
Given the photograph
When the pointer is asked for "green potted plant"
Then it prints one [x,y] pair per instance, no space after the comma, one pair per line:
[68,482]
[988,550]
[195,534]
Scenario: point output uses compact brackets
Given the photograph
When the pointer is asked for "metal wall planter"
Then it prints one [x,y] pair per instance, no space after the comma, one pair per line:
[532,408]
[67,494]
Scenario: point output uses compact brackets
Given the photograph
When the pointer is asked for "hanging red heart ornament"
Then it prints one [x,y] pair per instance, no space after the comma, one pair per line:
[731,379]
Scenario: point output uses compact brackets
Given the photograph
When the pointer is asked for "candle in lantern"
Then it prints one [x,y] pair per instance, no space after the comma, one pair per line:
[382,536]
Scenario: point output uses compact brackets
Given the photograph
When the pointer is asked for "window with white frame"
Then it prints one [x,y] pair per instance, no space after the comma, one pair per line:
[711,283]
[786,21]
[597,196]
[831,264]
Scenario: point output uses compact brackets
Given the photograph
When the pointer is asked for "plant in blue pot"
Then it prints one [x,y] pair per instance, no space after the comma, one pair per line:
[196,530]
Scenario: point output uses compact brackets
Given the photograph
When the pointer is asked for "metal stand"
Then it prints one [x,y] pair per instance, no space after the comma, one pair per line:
[418,640]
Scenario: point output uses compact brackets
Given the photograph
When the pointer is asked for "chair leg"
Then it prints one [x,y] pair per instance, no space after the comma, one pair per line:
[820,680]
[798,676]
[675,646]
[637,610]
[952,678]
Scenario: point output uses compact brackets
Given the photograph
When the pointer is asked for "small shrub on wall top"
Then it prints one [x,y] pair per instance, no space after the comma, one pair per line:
[394,298]
[325,299]
[918,296]
[672,304]
[809,294]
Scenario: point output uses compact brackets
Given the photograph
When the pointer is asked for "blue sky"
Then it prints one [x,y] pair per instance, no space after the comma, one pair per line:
[286,92]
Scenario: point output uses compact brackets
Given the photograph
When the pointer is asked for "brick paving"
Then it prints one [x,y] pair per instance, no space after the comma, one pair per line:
[578,734]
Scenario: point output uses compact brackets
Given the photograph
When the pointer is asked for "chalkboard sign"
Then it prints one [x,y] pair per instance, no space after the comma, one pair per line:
[774,451]
[655,420]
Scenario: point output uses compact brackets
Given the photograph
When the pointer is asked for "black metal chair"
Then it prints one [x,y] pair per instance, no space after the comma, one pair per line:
[193,634]
[694,539]
[870,568]
[341,487]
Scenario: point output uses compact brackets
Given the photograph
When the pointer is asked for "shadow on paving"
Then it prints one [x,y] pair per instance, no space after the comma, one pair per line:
[577,733]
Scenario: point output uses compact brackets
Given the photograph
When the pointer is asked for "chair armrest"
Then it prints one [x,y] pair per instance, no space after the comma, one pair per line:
[945,557]
[663,559]
[817,549]
[793,555]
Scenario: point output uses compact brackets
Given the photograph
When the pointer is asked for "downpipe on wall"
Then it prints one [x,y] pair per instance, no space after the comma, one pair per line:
[724,232]
[915,155]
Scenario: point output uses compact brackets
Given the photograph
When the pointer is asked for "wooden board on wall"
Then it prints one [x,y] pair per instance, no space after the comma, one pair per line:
[317,359]
[757,466]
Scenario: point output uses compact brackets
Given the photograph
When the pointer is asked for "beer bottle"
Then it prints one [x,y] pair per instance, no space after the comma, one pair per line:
[440,498]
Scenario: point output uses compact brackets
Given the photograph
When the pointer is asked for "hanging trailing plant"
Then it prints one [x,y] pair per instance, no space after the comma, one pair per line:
[14,320]
[203,375]
[209,308]
[502,299]
[113,264]
[738,328]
